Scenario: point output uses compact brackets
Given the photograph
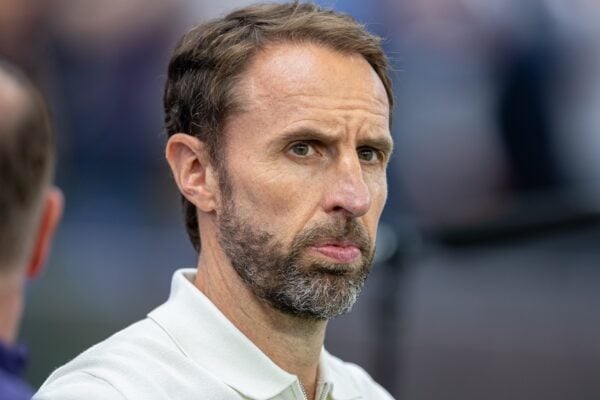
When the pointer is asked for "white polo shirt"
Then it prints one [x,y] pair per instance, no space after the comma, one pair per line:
[187,349]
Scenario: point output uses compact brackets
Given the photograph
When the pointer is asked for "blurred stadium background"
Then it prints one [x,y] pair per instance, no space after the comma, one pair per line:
[487,283]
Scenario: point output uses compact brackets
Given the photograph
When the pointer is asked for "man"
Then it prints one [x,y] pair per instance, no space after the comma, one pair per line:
[30,209]
[278,124]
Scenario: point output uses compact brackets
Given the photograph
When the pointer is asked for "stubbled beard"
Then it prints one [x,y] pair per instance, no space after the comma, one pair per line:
[289,280]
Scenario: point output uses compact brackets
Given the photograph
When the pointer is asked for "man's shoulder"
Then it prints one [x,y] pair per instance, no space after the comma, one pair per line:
[137,344]
[140,362]
[348,375]
[96,371]
[77,384]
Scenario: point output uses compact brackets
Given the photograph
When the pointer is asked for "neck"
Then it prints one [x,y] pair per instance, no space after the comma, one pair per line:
[11,305]
[293,343]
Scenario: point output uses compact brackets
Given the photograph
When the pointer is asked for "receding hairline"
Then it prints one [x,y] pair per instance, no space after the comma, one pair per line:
[238,89]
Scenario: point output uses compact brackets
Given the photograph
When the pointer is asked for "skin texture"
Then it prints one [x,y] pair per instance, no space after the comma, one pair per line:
[38,229]
[309,148]
[12,283]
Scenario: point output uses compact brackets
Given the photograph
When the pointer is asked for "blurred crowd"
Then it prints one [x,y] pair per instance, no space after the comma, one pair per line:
[496,120]
[496,99]
[496,105]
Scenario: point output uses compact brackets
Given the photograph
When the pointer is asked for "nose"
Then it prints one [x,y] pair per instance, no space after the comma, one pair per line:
[347,192]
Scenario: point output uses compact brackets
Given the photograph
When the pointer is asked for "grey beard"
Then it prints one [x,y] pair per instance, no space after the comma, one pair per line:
[316,290]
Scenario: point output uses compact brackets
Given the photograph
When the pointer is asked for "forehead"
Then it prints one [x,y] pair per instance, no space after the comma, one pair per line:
[315,73]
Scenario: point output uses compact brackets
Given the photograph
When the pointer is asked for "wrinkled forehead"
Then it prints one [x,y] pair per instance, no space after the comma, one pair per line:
[286,69]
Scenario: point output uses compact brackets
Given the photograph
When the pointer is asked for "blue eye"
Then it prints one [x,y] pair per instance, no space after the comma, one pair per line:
[302,149]
[368,154]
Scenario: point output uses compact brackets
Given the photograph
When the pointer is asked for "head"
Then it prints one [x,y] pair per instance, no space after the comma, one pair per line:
[29,206]
[287,106]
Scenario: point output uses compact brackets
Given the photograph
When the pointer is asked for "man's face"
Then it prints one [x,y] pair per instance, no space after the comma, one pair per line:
[304,182]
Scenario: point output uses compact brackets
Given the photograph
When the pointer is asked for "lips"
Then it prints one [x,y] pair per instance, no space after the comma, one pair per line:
[338,251]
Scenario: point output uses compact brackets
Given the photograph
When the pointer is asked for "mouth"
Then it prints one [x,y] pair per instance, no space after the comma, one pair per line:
[339,251]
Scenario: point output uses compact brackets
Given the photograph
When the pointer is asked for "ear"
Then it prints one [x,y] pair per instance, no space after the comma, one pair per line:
[193,173]
[52,209]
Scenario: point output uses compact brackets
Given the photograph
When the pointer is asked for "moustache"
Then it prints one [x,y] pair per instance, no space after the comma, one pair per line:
[348,231]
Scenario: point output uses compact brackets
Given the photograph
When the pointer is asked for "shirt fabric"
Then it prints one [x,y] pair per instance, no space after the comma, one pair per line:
[187,349]
[12,365]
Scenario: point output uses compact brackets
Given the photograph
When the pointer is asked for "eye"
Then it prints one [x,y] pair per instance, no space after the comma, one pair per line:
[302,149]
[368,154]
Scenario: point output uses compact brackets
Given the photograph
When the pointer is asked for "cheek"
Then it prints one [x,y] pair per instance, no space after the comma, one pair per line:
[378,198]
[381,194]
[275,194]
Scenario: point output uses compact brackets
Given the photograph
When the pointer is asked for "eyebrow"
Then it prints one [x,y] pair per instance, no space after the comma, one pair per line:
[384,144]
[305,134]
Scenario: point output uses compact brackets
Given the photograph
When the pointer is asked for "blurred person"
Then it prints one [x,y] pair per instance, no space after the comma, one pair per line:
[30,209]
[278,118]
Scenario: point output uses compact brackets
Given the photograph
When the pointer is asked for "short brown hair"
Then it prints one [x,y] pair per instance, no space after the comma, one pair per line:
[209,60]
[26,162]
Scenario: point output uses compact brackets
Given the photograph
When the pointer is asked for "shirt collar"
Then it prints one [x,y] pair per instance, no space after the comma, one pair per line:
[207,337]
[340,386]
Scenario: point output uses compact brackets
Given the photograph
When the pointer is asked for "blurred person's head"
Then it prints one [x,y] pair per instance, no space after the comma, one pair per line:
[278,122]
[30,207]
